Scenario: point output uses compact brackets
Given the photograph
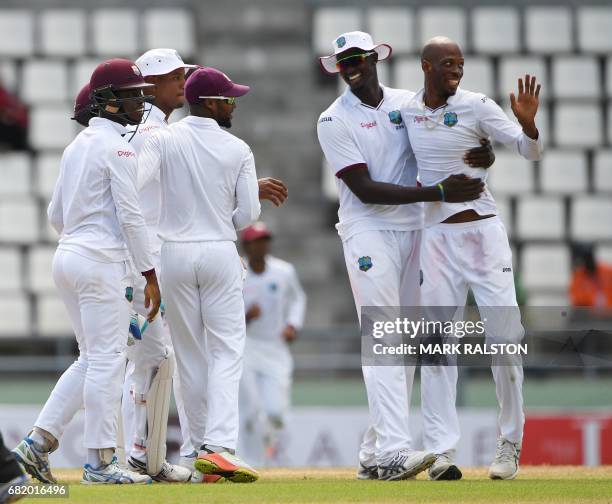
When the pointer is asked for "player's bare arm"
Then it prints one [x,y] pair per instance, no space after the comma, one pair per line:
[454,189]
[525,105]
[152,294]
[273,190]
[254,312]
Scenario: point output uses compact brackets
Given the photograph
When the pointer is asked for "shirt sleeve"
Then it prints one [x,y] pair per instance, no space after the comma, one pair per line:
[338,145]
[296,300]
[122,172]
[494,122]
[55,211]
[248,206]
[149,161]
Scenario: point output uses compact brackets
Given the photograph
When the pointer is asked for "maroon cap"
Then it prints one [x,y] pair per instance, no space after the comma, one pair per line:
[83,100]
[119,74]
[255,231]
[211,82]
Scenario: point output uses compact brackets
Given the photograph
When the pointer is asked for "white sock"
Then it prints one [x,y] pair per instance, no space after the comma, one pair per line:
[93,458]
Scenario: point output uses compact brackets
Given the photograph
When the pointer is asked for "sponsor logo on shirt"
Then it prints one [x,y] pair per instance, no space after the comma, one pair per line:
[325,119]
[125,153]
[369,125]
[365,263]
[450,119]
[506,270]
[419,119]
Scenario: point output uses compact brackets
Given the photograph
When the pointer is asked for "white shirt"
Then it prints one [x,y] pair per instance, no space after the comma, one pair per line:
[440,138]
[95,203]
[150,193]
[350,133]
[208,181]
[279,295]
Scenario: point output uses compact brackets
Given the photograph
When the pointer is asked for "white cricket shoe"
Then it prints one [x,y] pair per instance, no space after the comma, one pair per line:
[34,460]
[188,460]
[444,468]
[367,472]
[505,466]
[113,474]
[169,473]
[405,464]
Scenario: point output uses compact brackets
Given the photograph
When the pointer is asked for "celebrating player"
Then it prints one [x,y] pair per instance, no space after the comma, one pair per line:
[465,244]
[209,189]
[363,138]
[275,304]
[95,210]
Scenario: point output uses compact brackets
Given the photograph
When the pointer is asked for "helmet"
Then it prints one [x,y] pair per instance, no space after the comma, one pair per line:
[83,107]
[113,76]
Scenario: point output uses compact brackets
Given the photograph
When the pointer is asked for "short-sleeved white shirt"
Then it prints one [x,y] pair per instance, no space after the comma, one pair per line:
[440,138]
[351,133]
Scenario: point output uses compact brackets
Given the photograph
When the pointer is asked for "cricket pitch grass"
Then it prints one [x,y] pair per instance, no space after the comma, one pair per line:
[535,484]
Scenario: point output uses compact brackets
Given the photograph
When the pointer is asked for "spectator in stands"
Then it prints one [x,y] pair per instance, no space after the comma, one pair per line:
[591,283]
[13,122]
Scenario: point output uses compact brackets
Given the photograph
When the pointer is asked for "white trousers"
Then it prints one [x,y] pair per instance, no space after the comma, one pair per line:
[205,310]
[392,280]
[94,295]
[144,357]
[455,257]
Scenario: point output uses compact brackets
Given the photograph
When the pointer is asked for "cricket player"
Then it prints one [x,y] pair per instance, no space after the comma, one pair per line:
[95,210]
[209,190]
[275,305]
[151,369]
[83,110]
[465,245]
[380,219]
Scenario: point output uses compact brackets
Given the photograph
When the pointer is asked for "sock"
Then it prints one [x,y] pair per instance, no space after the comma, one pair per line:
[40,442]
[93,458]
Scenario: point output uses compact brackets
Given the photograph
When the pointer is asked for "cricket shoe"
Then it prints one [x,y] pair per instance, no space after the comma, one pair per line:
[405,464]
[367,472]
[444,469]
[198,477]
[14,489]
[169,473]
[34,460]
[225,464]
[188,460]
[111,474]
[505,465]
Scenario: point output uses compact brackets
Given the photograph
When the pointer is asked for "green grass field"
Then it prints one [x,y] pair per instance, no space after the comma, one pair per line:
[534,485]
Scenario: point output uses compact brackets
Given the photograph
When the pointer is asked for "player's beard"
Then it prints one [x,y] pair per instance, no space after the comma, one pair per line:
[225,123]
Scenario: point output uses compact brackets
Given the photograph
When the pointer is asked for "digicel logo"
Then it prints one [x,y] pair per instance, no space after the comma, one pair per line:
[126,153]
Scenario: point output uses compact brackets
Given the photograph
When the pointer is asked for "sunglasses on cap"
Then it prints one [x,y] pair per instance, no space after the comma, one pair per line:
[352,60]
[229,101]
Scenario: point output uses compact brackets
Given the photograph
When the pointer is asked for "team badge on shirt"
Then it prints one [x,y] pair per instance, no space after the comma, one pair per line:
[450,119]
[365,263]
[395,117]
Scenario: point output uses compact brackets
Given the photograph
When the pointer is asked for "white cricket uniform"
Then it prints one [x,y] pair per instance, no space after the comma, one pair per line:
[381,245]
[476,255]
[268,364]
[95,210]
[209,189]
[146,354]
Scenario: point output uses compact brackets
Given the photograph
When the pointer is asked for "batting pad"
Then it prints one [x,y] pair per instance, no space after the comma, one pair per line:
[158,403]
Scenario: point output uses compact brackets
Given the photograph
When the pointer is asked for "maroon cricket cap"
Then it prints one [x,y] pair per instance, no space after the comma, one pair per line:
[255,231]
[119,74]
[82,100]
[211,82]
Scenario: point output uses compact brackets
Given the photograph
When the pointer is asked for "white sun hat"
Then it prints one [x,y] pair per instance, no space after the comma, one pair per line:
[160,62]
[350,40]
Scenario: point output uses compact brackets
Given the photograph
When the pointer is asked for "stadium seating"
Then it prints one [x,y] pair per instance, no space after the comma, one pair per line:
[545,267]
[8,75]
[408,74]
[511,68]
[329,22]
[548,30]
[564,172]
[393,25]
[603,171]
[52,318]
[45,81]
[81,73]
[115,32]
[19,219]
[16,176]
[10,270]
[15,315]
[504,211]
[47,169]
[495,30]
[39,262]
[609,76]
[170,28]
[448,21]
[51,127]
[510,174]
[16,32]
[578,125]
[590,219]
[478,76]
[540,218]
[576,77]
[594,24]
[62,32]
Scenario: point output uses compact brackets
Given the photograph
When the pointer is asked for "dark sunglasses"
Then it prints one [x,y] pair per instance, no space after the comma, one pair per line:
[229,101]
[352,60]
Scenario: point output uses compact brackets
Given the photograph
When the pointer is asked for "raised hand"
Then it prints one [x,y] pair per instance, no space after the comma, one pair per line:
[525,105]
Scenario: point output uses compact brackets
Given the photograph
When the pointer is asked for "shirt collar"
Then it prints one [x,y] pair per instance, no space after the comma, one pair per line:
[353,100]
[156,114]
[102,122]
[420,96]
[201,121]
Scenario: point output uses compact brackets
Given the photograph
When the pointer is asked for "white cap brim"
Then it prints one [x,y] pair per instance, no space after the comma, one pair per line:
[328,63]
